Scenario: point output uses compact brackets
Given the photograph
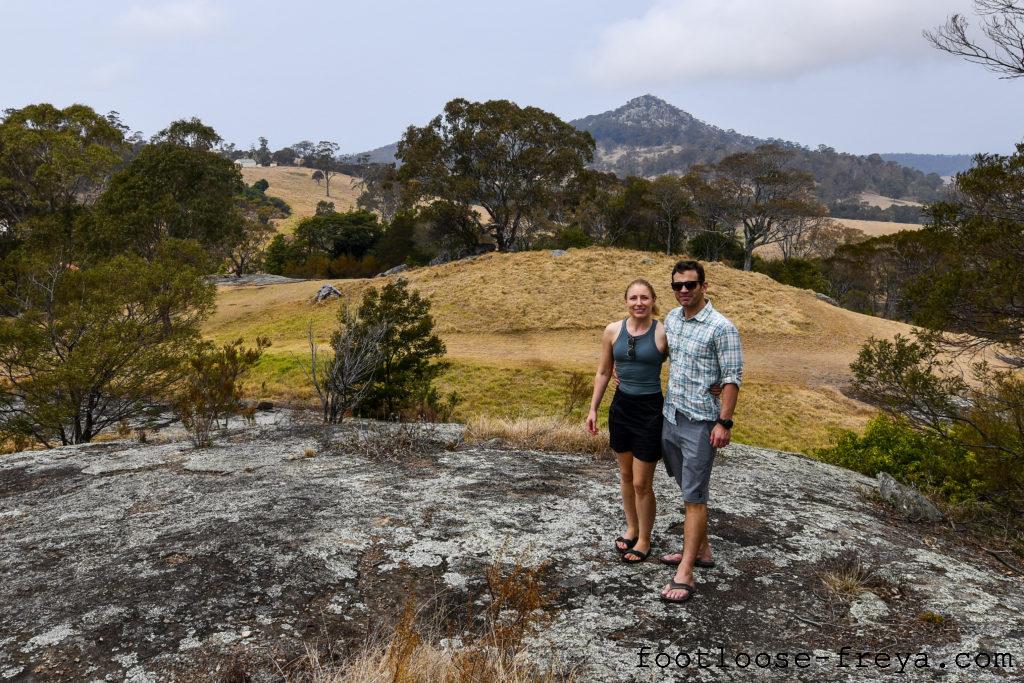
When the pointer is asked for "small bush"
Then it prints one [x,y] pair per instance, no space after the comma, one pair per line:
[795,272]
[917,458]
[211,390]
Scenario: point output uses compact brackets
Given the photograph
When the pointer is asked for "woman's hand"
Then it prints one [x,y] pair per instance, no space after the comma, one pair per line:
[715,390]
[592,422]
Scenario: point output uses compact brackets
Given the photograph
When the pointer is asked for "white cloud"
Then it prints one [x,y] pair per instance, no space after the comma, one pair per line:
[187,17]
[688,40]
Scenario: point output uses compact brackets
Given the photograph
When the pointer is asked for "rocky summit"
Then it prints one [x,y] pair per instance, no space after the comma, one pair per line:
[160,562]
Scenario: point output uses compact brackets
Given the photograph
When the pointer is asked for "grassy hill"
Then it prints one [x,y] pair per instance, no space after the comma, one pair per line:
[517,324]
[294,185]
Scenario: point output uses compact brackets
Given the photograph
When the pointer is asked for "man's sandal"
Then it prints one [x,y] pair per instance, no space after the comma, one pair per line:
[703,564]
[628,542]
[674,586]
[640,557]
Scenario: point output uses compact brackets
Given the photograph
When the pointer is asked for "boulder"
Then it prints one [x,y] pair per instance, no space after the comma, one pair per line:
[907,500]
[558,252]
[326,293]
[826,298]
[394,271]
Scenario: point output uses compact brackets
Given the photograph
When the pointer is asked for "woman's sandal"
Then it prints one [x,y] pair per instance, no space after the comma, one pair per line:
[674,586]
[628,542]
[640,557]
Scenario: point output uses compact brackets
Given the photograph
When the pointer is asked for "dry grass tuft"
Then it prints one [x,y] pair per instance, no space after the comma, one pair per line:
[537,433]
[848,578]
[415,653]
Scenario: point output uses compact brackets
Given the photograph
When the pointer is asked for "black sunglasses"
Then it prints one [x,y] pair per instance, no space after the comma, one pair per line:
[630,347]
[689,284]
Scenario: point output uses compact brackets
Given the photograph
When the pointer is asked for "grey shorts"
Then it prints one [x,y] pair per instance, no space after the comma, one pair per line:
[686,447]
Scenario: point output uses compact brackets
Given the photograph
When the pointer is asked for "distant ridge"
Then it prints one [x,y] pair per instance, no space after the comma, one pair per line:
[648,137]
[943,164]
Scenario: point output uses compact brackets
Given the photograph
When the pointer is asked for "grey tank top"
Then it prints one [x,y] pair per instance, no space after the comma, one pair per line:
[641,374]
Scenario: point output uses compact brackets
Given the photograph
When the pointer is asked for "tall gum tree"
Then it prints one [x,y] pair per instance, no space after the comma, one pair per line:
[510,160]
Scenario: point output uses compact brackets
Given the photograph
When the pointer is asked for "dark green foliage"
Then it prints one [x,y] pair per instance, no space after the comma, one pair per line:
[258,206]
[513,161]
[211,388]
[403,384]
[865,212]
[795,272]
[875,276]
[277,255]
[452,228]
[910,379]
[352,233]
[87,348]
[52,163]
[170,190]
[398,244]
[284,157]
[571,238]
[716,246]
[191,133]
[926,461]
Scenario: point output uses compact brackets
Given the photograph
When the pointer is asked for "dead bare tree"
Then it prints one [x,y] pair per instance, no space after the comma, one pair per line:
[1002,23]
[342,379]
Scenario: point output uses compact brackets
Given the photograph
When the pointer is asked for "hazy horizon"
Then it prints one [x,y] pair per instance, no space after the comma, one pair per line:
[857,76]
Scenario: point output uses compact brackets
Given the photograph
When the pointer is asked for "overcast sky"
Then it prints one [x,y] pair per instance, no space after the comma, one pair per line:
[853,74]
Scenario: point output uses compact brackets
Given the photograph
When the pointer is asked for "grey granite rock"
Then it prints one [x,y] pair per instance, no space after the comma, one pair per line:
[161,562]
[907,500]
[326,293]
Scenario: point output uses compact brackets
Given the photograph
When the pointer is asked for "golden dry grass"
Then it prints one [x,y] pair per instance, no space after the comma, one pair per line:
[877,228]
[874,199]
[516,324]
[294,185]
[537,433]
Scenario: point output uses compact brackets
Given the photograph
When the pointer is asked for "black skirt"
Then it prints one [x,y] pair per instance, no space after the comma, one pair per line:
[634,425]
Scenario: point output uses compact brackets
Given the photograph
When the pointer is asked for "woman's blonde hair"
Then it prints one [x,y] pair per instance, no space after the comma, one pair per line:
[650,288]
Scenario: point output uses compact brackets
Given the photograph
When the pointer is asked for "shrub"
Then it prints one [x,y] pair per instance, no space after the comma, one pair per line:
[262,185]
[923,460]
[211,390]
[716,246]
[342,379]
[795,272]
[403,387]
[83,349]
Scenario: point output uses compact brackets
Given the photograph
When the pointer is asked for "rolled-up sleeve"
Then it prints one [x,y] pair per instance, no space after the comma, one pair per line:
[730,355]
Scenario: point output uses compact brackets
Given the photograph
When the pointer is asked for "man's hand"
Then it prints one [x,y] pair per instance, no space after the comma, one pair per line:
[720,436]
[615,376]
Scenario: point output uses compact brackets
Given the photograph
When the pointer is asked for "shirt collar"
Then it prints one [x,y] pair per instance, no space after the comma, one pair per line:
[702,315]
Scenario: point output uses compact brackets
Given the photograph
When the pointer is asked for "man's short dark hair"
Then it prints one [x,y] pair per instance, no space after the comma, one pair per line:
[683,266]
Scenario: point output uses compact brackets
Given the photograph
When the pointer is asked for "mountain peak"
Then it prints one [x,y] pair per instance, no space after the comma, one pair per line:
[648,111]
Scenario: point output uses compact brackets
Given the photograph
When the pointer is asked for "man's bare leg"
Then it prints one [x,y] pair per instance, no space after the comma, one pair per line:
[628,497]
[695,532]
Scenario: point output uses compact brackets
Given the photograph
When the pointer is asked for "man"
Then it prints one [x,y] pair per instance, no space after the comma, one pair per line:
[704,349]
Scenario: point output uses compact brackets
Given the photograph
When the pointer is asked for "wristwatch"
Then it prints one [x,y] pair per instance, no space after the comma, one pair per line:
[725,423]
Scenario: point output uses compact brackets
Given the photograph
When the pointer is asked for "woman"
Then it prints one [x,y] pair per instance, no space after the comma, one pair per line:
[635,347]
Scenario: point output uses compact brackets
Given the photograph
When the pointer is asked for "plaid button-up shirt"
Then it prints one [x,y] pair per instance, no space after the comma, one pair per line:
[703,350]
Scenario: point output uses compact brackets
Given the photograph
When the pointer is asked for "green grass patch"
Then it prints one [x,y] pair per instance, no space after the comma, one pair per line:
[772,415]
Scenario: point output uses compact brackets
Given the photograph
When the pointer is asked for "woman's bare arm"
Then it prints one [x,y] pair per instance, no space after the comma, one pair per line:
[604,373]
